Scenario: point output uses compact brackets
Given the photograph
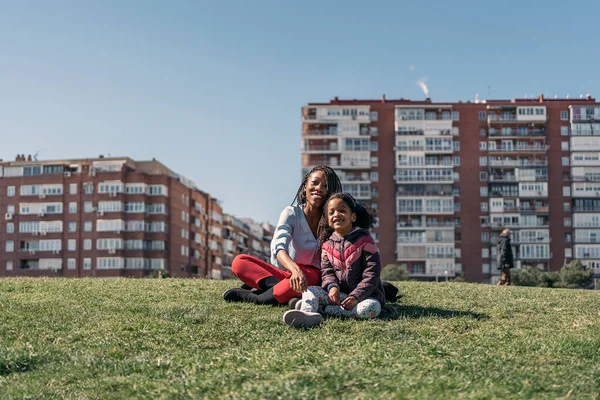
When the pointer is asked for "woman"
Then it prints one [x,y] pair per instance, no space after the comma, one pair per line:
[294,255]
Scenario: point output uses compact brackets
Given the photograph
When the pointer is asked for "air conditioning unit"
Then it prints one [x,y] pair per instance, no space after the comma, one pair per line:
[42,196]
[112,251]
[118,231]
[43,233]
[100,213]
[92,171]
[35,233]
[32,252]
[56,252]
[8,216]
[41,214]
[113,194]
[67,174]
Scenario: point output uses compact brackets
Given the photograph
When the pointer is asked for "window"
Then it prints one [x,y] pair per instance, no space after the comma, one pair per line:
[72,226]
[567,238]
[10,209]
[567,221]
[483,190]
[455,115]
[564,115]
[457,253]
[183,233]
[71,263]
[87,263]
[72,208]
[87,226]
[564,131]
[374,146]
[483,161]
[10,227]
[566,206]
[565,161]
[456,161]
[569,253]
[10,246]
[485,268]
[87,244]
[72,245]
[455,131]
[482,132]
[456,145]
[456,176]
[483,176]
[374,161]
[183,215]
[456,221]
[374,192]
[483,146]
[482,115]
[457,206]
[88,207]
[73,188]
[374,176]
[564,146]
[483,206]
[88,188]
[455,191]
[567,191]
[374,116]
[485,237]
[485,253]
[374,206]
[9,265]
[485,221]
[10,191]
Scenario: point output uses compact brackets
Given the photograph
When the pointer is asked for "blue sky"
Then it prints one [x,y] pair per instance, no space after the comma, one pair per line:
[214,88]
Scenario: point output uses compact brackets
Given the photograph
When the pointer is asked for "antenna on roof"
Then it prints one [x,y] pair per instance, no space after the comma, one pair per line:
[35,156]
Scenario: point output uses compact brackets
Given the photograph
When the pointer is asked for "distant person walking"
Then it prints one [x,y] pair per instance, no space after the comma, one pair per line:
[504,257]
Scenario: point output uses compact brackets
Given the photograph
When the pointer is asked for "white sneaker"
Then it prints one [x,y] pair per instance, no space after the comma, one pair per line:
[298,305]
[302,319]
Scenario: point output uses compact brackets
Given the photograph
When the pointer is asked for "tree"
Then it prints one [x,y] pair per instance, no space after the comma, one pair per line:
[574,276]
[394,272]
[528,276]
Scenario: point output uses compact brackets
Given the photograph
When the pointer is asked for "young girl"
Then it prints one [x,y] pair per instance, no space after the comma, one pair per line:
[350,267]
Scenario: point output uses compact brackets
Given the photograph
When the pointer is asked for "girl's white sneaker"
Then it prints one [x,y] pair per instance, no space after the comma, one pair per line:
[302,319]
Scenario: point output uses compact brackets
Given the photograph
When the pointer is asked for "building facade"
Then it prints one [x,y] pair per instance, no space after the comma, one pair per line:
[106,217]
[245,236]
[448,177]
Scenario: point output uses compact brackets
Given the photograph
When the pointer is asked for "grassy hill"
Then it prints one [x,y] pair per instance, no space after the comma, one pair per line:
[151,338]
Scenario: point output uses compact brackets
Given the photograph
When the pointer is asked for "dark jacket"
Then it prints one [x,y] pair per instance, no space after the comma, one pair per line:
[504,254]
[353,263]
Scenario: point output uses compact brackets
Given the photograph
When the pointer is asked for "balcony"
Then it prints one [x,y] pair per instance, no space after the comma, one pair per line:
[534,210]
[425,179]
[519,133]
[320,132]
[321,148]
[504,193]
[519,149]
[439,149]
[410,148]
[492,118]
[586,209]
[584,178]
[419,225]
[586,132]
[502,178]
[411,132]
[411,193]
[518,163]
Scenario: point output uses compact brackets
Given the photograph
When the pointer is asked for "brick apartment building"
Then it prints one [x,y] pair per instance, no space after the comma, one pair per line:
[106,217]
[245,236]
[447,177]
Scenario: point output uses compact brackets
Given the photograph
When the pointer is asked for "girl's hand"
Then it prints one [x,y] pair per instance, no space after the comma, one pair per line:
[334,296]
[298,281]
[349,303]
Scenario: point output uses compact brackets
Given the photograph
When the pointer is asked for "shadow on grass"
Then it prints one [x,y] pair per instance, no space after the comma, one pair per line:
[396,311]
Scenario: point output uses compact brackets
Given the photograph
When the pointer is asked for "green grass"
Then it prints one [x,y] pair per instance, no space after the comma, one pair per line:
[152,338]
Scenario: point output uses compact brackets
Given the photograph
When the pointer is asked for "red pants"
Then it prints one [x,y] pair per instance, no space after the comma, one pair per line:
[251,270]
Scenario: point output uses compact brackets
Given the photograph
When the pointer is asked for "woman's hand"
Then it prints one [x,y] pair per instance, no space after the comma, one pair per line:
[298,281]
[349,303]
[334,296]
